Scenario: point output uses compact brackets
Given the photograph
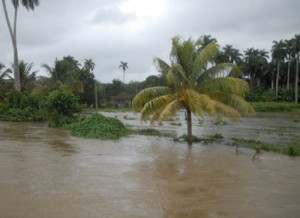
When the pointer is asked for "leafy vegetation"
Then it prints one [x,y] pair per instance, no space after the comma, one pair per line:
[17,106]
[276,106]
[291,149]
[60,106]
[100,127]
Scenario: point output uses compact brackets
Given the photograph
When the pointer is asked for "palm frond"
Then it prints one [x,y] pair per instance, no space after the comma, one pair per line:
[234,101]
[215,71]
[205,56]
[162,66]
[167,111]
[229,85]
[176,76]
[148,94]
[155,105]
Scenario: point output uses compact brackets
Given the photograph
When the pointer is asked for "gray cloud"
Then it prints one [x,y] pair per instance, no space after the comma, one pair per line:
[100,30]
[112,15]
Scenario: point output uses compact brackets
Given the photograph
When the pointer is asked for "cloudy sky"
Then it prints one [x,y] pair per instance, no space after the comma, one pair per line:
[137,31]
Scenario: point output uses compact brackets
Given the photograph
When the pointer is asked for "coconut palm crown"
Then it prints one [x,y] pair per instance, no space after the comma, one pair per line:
[195,84]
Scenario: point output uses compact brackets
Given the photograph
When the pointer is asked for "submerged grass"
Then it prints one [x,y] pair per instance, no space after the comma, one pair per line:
[292,149]
[276,107]
[152,132]
[205,140]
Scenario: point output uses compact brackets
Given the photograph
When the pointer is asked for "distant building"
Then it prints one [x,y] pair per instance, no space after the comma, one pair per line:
[122,100]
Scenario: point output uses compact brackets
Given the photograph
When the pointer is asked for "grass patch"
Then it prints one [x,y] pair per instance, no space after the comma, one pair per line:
[276,107]
[291,149]
[152,132]
[100,127]
[205,140]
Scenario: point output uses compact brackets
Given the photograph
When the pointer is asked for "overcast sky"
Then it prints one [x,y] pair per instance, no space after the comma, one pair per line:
[137,31]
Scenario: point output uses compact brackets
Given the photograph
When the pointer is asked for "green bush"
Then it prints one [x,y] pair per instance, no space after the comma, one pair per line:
[99,126]
[18,106]
[60,106]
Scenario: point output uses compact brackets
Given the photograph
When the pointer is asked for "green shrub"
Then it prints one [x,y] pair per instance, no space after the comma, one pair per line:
[18,106]
[99,126]
[60,106]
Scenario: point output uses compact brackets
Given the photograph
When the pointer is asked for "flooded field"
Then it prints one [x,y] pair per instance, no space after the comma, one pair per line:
[44,172]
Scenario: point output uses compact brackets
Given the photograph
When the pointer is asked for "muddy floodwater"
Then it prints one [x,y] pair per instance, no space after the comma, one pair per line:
[44,172]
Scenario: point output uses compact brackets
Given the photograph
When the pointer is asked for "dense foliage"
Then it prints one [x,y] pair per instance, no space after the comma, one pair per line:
[17,106]
[99,126]
[60,106]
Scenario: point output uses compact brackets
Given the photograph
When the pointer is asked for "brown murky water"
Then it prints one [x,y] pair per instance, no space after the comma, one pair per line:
[46,173]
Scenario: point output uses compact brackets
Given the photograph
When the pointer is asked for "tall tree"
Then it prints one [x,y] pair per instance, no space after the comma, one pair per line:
[29,4]
[289,51]
[253,66]
[89,65]
[296,46]
[278,55]
[192,86]
[124,66]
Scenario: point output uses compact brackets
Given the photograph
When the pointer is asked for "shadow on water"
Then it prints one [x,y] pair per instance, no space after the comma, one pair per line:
[62,147]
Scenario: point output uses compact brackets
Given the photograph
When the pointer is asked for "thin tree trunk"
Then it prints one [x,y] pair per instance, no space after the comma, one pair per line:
[277,78]
[288,75]
[13,36]
[96,96]
[297,78]
[189,126]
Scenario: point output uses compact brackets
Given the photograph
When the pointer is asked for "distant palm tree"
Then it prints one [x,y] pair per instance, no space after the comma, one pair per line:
[278,55]
[27,78]
[29,4]
[124,66]
[255,61]
[192,86]
[4,74]
[89,65]
[204,40]
[289,51]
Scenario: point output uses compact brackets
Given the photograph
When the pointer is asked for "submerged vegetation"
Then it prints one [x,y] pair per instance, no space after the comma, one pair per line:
[292,149]
[100,127]
[276,107]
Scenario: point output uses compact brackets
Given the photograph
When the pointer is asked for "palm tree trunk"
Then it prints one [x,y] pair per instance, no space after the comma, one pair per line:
[189,126]
[96,96]
[277,78]
[297,78]
[13,35]
[288,75]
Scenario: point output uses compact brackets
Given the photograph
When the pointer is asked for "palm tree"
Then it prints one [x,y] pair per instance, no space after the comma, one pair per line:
[289,50]
[296,46]
[64,72]
[5,74]
[278,55]
[29,4]
[204,40]
[89,65]
[192,86]
[27,78]
[124,66]
[254,62]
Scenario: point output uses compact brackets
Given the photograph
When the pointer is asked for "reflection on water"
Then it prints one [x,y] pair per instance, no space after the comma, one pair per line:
[46,173]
